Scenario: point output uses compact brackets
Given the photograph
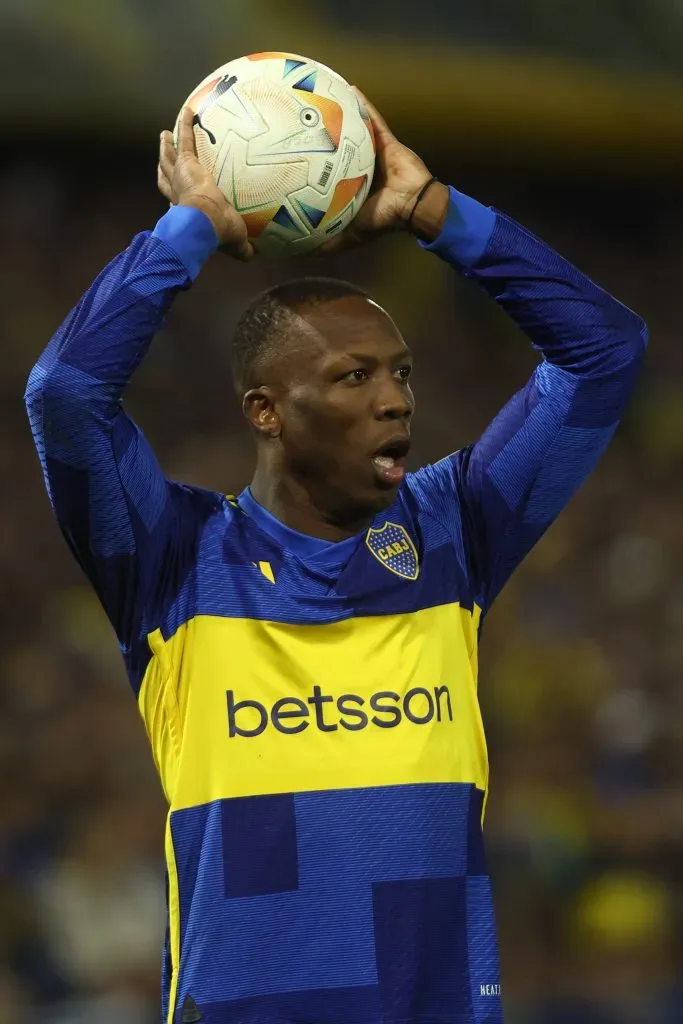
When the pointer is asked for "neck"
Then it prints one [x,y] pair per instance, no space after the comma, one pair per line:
[289,501]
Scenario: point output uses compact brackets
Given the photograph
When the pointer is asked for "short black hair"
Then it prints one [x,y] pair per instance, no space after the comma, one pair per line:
[269,316]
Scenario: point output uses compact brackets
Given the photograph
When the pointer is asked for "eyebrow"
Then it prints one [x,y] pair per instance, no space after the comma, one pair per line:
[366,357]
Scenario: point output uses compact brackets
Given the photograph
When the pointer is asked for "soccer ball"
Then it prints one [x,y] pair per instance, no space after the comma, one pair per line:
[290,145]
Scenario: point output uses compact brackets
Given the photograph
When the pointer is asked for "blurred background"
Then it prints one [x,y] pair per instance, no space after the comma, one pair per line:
[567,115]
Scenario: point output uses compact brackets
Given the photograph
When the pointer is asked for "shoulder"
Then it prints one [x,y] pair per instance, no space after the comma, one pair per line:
[440,494]
[434,494]
[195,507]
[437,485]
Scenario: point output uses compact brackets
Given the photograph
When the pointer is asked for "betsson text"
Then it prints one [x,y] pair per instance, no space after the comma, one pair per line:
[292,715]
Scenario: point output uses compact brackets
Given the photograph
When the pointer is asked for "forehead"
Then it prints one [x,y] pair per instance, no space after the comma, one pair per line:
[350,325]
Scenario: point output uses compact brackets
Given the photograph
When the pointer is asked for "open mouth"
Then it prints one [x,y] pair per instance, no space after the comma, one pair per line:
[389,460]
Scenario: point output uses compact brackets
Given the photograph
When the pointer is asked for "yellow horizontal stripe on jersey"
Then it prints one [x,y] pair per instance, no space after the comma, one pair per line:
[256,707]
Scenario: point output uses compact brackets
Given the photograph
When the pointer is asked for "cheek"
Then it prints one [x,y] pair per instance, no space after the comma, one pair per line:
[324,435]
[320,421]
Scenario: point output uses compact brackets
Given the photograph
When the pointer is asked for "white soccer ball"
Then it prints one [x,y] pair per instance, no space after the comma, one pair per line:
[289,144]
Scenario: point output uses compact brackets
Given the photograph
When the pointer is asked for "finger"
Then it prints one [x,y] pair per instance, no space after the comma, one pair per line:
[379,124]
[164,185]
[329,248]
[346,240]
[167,154]
[186,143]
[244,251]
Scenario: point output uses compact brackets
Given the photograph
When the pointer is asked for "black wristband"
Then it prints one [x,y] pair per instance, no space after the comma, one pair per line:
[420,196]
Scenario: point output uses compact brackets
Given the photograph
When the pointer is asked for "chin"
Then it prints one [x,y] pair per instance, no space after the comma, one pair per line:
[382,498]
[352,506]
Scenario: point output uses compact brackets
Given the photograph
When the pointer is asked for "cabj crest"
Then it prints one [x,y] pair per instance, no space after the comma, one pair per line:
[394,549]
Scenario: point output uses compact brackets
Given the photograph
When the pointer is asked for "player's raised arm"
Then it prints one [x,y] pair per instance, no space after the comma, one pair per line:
[111,499]
[543,444]
[515,480]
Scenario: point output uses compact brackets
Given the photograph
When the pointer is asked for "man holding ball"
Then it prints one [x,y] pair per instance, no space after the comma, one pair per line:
[304,655]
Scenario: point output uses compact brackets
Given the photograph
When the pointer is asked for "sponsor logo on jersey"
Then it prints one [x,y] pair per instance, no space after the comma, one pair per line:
[385,709]
[393,548]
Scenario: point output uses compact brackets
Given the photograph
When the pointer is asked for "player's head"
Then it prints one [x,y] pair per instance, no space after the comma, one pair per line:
[323,372]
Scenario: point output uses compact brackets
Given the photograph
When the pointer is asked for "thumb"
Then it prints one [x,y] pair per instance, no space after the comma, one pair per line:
[246,251]
[243,251]
[347,239]
[381,127]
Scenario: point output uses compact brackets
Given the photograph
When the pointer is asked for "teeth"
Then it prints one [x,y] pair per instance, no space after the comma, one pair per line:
[385,461]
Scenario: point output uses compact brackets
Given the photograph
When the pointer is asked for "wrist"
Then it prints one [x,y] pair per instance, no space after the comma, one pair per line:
[190,233]
[429,212]
[211,210]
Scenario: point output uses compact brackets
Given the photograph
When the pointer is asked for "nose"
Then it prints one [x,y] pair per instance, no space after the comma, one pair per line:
[394,401]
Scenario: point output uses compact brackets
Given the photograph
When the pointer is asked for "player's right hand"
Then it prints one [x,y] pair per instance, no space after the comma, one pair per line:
[184,181]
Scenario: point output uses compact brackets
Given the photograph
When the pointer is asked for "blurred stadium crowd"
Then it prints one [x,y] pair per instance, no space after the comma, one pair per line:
[582,655]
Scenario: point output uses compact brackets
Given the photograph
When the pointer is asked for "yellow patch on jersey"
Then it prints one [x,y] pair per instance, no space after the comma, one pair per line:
[267,570]
[393,548]
[242,707]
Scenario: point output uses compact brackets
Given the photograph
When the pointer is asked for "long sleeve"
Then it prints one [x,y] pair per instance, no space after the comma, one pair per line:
[116,509]
[512,483]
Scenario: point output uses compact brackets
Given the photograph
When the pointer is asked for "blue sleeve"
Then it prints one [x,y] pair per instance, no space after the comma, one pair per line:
[513,482]
[116,509]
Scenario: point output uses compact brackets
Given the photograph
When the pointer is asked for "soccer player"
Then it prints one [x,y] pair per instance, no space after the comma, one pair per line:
[304,655]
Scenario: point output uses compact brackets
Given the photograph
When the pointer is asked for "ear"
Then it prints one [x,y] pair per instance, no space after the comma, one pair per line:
[258,405]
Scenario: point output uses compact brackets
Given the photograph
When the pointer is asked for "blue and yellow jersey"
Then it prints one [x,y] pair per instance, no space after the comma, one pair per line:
[312,707]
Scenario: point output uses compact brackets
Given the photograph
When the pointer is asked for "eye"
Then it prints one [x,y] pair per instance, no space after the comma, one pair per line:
[403,372]
[309,117]
[356,376]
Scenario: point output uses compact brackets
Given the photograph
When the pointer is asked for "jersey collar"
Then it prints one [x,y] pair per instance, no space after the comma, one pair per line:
[300,544]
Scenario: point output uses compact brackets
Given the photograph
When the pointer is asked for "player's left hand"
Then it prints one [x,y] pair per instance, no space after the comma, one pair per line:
[399,176]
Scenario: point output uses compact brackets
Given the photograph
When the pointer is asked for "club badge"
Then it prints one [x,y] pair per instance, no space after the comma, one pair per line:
[394,549]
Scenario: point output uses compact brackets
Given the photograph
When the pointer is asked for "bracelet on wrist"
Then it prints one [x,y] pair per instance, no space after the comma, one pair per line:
[420,196]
